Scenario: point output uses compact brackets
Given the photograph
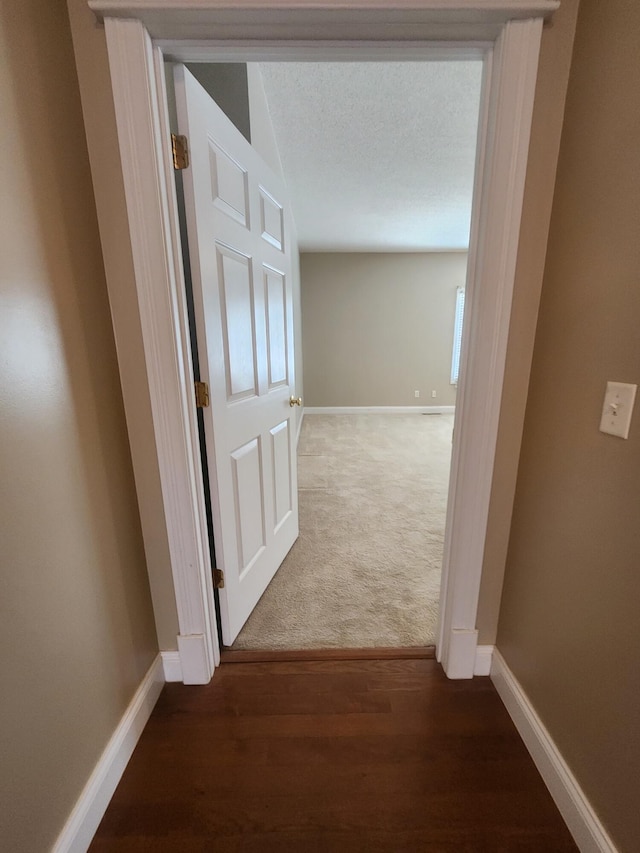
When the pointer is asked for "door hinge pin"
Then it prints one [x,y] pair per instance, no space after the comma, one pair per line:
[202,395]
[180,151]
[218,579]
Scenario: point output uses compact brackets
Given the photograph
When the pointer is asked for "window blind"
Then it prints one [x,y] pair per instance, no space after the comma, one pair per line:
[457,336]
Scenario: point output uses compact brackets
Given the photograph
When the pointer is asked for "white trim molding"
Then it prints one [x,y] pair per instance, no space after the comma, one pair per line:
[509,90]
[246,20]
[507,33]
[461,653]
[321,51]
[194,658]
[578,813]
[88,811]
[379,410]
[171,666]
[484,656]
[137,80]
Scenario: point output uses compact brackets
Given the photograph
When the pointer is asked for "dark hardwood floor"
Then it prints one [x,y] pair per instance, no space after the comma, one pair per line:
[321,756]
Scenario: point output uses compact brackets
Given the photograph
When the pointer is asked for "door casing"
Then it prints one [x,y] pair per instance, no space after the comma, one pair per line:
[139,36]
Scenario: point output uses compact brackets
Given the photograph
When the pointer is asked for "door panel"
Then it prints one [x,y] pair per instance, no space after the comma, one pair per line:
[248,494]
[239,226]
[276,297]
[229,185]
[281,443]
[238,312]
[271,220]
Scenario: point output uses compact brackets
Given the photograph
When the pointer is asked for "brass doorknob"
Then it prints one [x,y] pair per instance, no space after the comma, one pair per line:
[295,401]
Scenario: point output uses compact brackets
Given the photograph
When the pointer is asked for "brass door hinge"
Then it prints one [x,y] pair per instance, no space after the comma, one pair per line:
[202,395]
[218,579]
[180,151]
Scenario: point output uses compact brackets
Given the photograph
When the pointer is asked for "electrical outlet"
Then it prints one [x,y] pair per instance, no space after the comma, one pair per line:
[416,394]
[433,393]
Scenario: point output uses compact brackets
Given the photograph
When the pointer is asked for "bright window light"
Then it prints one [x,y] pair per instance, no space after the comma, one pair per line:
[457,336]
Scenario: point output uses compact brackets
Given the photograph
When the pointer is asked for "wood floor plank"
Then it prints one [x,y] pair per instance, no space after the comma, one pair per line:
[334,756]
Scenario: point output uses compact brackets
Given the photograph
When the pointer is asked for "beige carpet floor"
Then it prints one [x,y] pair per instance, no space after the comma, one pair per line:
[365,570]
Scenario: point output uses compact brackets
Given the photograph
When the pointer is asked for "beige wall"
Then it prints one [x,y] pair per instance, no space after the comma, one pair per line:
[551,86]
[377,327]
[76,626]
[569,618]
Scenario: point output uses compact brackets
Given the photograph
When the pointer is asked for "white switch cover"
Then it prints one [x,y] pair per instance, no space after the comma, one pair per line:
[617,409]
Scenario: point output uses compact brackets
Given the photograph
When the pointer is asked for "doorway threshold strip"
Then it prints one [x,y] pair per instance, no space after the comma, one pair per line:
[282,655]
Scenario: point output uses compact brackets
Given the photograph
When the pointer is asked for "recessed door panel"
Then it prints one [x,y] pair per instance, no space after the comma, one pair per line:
[271,220]
[229,185]
[280,453]
[276,305]
[248,487]
[237,298]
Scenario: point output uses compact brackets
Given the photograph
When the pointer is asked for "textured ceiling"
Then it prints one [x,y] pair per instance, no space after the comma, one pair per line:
[377,156]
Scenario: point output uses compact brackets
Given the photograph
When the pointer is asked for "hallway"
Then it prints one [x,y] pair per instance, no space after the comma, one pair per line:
[339,756]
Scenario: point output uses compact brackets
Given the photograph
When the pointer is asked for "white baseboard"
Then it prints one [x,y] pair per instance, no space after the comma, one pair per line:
[459,660]
[94,799]
[194,659]
[379,410]
[484,655]
[584,824]
[172,666]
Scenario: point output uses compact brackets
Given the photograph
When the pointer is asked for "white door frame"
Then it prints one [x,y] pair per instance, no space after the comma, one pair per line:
[508,33]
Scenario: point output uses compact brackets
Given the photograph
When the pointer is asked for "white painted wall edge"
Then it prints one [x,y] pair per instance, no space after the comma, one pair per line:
[578,813]
[171,666]
[302,414]
[379,410]
[92,803]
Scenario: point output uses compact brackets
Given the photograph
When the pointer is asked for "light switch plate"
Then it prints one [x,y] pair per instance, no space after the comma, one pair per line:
[618,406]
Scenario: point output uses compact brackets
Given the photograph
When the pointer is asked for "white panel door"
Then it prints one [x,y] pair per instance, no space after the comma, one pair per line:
[238,226]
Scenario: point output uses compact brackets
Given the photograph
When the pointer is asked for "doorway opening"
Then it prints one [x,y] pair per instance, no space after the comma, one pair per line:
[139,41]
[382,284]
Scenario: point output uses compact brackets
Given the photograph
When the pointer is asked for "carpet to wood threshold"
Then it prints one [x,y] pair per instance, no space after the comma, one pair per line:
[267,656]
